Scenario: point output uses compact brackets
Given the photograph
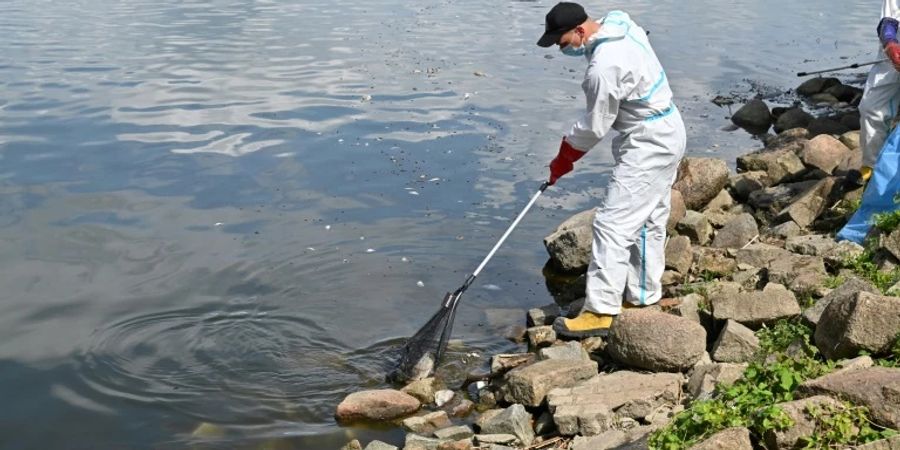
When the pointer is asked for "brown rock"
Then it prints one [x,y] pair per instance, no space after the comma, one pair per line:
[677,210]
[804,423]
[700,179]
[824,152]
[737,232]
[743,184]
[376,405]
[569,245]
[752,309]
[679,255]
[863,322]
[877,388]
[807,207]
[643,339]
[729,438]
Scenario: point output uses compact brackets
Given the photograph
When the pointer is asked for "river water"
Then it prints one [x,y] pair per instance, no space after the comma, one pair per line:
[231,211]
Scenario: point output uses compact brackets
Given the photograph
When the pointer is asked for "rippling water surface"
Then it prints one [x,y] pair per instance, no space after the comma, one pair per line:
[230,212]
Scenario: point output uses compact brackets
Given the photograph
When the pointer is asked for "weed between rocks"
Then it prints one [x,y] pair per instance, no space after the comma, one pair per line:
[773,378]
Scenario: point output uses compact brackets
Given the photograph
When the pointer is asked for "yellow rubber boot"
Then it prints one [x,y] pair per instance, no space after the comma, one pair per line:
[587,324]
[866,173]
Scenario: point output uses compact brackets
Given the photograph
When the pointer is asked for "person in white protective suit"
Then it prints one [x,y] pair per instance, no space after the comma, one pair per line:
[881,97]
[627,91]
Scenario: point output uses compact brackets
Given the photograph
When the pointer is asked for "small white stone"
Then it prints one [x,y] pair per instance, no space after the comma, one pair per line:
[442,397]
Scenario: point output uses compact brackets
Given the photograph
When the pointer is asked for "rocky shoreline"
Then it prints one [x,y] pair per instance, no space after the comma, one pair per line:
[772,334]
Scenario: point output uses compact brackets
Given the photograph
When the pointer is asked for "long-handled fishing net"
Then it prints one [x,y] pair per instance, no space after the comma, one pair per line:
[422,352]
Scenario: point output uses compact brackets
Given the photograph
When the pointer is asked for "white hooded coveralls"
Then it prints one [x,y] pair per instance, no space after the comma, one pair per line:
[627,91]
[880,100]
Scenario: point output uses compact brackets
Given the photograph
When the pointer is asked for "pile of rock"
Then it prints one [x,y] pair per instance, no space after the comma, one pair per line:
[745,250]
[840,100]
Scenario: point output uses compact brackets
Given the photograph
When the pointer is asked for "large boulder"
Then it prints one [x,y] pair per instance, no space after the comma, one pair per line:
[849,288]
[862,322]
[753,116]
[877,388]
[700,180]
[824,153]
[805,424]
[781,164]
[826,125]
[737,232]
[816,85]
[695,226]
[644,339]
[743,184]
[753,308]
[774,199]
[736,343]
[676,211]
[679,255]
[569,245]
[529,384]
[590,407]
[794,118]
[808,206]
[376,405]
[514,420]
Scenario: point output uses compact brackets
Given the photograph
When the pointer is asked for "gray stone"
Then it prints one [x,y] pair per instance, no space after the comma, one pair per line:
[463,408]
[454,433]
[696,227]
[753,116]
[714,261]
[722,201]
[607,440]
[860,362]
[891,243]
[488,439]
[816,85]
[862,322]
[443,397]
[591,407]
[793,118]
[785,230]
[529,384]
[506,361]
[877,388]
[729,438]
[514,420]
[700,180]
[824,98]
[569,245]
[671,278]
[824,153]
[848,288]
[780,164]
[541,336]
[804,424]
[743,184]
[378,445]
[422,389]
[825,125]
[719,218]
[752,309]
[775,198]
[427,423]
[376,405]
[891,443]
[800,273]
[844,93]
[737,232]
[569,350]
[760,255]
[704,378]
[679,255]
[850,140]
[736,343]
[352,445]
[417,442]
[689,307]
[807,207]
[785,137]
[485,417]
[643,339]
[544,315]
[676,211]
[824,246]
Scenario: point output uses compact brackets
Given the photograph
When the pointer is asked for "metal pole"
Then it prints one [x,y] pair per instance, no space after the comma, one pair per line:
[851,66]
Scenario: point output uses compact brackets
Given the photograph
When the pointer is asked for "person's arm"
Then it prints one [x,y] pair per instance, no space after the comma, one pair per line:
[602,108]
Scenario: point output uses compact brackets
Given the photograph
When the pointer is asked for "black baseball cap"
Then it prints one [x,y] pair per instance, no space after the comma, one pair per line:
[564,17]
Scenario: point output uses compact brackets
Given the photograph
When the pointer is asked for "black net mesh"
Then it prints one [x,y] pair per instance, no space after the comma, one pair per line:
[422,352]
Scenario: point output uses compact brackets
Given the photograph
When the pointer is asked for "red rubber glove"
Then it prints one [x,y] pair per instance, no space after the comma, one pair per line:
[892,50]
[564,161]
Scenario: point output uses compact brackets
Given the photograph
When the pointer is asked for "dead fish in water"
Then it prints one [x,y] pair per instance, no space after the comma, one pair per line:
[423,368]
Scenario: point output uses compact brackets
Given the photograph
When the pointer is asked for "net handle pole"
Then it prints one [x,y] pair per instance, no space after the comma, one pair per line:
[509,230]
[851,66]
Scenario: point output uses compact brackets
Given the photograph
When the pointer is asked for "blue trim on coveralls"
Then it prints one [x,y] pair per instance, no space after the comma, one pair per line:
[643,263]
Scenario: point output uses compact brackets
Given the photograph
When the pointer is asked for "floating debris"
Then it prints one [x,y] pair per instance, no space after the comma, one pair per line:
[327,227]
[413,193]
[370,250]
[218,224]
[479,73]
[404,259]
[492,287]
[366,98]
[420,284]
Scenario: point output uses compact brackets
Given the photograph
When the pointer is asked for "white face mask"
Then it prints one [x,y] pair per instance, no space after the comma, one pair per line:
[581,50]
